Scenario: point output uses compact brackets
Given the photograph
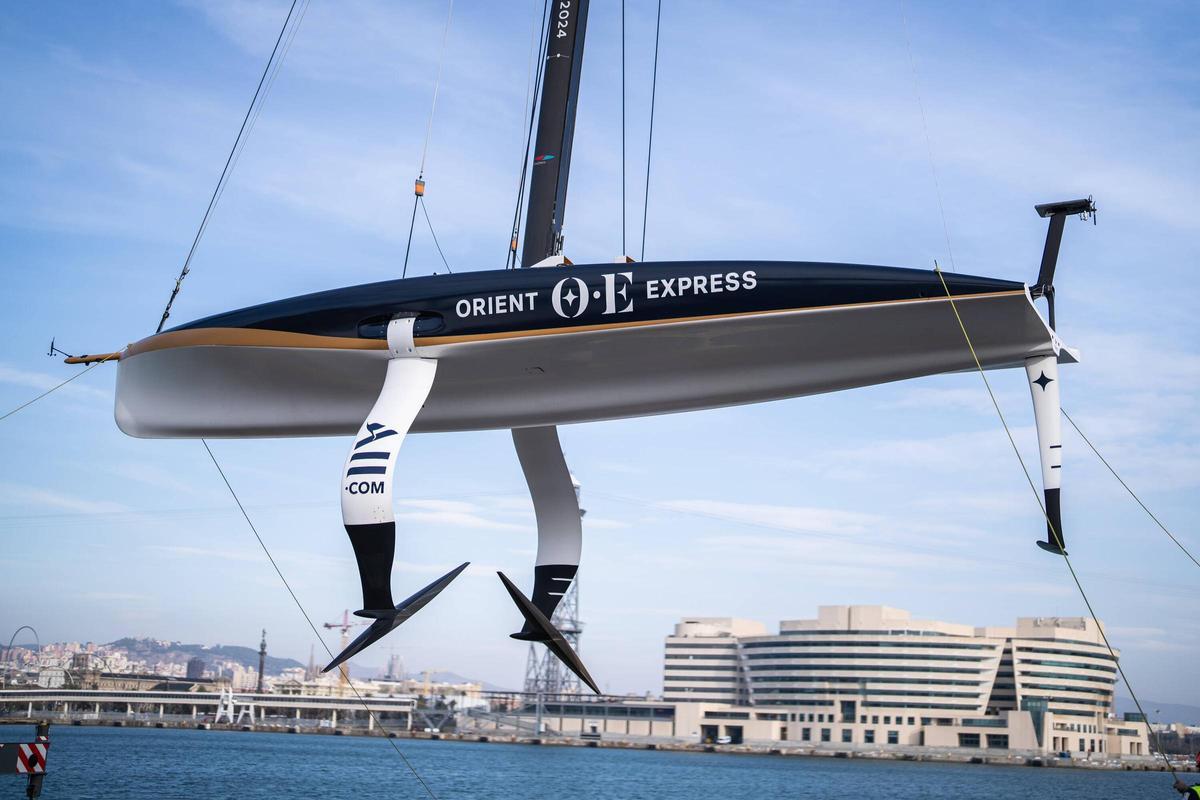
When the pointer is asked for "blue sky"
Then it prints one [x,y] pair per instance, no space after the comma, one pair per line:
[793,132]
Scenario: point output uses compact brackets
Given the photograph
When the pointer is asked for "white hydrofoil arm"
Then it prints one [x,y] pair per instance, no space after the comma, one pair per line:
[367,482]
[1042,372]
[556,507]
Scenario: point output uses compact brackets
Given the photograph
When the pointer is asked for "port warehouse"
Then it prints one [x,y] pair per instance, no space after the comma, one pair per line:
[857,676]
[291,709]
[560,714]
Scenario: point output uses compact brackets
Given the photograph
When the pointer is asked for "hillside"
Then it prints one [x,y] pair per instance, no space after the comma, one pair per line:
[178,653]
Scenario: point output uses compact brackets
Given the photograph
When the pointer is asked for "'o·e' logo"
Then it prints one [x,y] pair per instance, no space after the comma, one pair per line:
[569,298]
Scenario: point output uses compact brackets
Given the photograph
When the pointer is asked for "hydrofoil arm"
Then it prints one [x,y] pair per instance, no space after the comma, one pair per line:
[367,481]
[556,507]
[1042,372]
[560,541]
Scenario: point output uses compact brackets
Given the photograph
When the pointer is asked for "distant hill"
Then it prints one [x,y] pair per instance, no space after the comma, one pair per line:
[1162,712]
[437,676]
[179,653]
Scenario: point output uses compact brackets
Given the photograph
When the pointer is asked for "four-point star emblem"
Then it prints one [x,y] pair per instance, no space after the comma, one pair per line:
[1043,380]
[570,296]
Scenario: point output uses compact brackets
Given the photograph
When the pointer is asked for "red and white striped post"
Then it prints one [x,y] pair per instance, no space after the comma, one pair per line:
[28,758]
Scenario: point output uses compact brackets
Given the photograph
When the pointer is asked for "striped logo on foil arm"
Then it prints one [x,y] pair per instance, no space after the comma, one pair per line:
[370,462]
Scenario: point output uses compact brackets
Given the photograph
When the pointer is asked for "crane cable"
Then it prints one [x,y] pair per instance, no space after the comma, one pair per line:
[419,184]
[1057,539]
[1132,494]
[308,619]
[230,160]
[650,140]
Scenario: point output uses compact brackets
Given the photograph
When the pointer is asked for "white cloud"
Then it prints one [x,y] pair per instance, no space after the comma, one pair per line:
[155,476]
[452,514]
[16,494]
[964,398]
[189,552]
[798,518]
[117,597]
[601,524]
[43,381]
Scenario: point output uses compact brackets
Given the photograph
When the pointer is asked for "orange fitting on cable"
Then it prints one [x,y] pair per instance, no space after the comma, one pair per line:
[419,188]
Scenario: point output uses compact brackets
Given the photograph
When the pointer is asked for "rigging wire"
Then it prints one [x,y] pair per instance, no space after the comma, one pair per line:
[650,140]
[928,141]
[531,109]
[58,386]
[535,48]
[308,619]
[226,171]
[1057,538]
[287,46]
[624,249]
[434,235]
[419,185]
[1132,494]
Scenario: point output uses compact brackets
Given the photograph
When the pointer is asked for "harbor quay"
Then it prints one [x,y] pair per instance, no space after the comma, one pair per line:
[204,707]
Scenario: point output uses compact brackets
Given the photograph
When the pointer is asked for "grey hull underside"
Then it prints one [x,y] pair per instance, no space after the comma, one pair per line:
[249,391]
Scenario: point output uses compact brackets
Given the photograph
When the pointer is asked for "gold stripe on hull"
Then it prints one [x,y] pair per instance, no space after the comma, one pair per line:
[253,337]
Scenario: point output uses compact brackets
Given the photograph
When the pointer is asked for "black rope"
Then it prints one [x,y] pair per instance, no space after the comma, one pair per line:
[511,256]
[1120,480]
[1056,537]
[411,223]
[434,235]
[225,172]
[308,619]
[650,141]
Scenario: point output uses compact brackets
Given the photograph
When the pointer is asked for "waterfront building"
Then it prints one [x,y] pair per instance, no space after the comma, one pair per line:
[873,676]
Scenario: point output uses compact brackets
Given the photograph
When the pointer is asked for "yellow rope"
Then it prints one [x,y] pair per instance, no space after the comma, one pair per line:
[1050,525]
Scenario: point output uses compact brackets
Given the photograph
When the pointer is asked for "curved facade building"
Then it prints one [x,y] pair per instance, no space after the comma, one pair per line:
[872,675]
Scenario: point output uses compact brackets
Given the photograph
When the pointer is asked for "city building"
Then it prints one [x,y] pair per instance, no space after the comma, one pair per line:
[873,676]
[195,667]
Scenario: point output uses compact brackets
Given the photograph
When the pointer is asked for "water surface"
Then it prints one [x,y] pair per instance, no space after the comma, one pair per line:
[136,763]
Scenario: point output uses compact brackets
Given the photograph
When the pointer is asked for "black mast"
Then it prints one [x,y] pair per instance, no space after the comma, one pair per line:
[556,130]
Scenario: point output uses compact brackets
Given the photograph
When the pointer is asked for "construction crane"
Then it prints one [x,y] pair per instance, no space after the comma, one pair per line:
[345,625]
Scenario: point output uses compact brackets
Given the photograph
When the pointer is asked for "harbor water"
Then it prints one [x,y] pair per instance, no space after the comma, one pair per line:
[133,763]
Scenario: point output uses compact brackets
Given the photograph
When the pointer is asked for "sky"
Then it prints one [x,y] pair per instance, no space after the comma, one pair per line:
[800,131]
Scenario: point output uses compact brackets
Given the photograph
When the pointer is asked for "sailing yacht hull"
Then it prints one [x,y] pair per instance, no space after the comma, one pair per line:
[211,380]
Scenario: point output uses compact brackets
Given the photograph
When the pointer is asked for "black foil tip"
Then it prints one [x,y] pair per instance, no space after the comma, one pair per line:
[1055,543]
[387,620]
[541,627]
